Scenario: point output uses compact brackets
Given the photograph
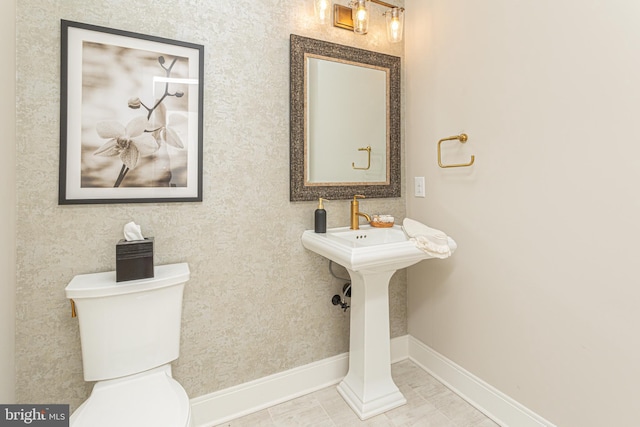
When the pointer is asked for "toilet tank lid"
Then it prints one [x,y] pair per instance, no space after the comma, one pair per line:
[96,285]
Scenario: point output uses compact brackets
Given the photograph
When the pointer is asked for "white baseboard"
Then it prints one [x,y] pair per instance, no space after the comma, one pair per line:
[496,405]
[399,348]
[224,405]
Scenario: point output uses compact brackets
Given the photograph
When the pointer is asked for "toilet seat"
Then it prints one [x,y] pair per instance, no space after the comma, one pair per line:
[152,398]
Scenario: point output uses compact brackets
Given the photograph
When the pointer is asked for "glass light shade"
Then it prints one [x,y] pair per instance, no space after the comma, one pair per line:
[395,24]
[322,10]
[360,14]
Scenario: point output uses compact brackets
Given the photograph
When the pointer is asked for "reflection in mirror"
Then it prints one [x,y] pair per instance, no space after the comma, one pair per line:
[338,134]
[345,121]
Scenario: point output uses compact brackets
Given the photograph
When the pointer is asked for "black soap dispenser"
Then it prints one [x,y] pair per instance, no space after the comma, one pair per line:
[320,218]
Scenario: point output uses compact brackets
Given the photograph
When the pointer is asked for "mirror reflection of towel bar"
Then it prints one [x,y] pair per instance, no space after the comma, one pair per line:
[462,138]
[368,150]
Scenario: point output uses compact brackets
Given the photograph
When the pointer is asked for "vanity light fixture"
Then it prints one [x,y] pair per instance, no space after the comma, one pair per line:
[360,16]
[395,24]
[356,18]
[322,11]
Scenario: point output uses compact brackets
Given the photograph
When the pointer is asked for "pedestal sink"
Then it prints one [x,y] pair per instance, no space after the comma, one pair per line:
[371,256]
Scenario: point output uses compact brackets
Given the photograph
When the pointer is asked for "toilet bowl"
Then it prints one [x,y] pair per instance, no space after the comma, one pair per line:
[130,334]
[151,398]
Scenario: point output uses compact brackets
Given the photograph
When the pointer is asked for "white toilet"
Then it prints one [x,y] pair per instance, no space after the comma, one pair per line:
[130,334]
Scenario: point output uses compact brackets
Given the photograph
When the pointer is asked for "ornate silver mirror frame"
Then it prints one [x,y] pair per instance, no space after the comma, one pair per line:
[300,189]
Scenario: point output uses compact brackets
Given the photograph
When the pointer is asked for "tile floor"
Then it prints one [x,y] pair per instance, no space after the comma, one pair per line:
[429,404]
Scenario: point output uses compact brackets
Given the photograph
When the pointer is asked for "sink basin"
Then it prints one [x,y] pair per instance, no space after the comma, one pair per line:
[370,248]
[370,236]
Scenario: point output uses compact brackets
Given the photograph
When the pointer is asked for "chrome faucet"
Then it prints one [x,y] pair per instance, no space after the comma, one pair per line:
[355,213]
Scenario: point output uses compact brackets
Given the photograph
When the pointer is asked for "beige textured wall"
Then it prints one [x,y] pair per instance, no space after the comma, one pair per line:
[541,298]
[257,302]
[8,196]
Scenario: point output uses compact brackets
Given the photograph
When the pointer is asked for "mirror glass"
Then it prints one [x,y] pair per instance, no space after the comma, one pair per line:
[338,134]
[345,121]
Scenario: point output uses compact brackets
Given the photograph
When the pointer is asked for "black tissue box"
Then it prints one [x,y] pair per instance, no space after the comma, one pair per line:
[134,259]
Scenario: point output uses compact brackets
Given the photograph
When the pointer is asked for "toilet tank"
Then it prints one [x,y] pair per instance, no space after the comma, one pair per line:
[128,327]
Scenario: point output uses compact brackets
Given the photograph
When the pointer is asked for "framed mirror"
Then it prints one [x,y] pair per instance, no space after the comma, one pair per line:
[345,121]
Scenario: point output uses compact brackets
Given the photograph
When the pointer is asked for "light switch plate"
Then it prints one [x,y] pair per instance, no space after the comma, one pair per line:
[419,190]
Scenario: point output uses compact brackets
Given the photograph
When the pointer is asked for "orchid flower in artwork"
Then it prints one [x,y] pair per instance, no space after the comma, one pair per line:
[163,132]
[143,135]
[129,143]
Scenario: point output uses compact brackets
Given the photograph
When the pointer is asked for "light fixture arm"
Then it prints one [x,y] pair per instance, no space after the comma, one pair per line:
[390,6]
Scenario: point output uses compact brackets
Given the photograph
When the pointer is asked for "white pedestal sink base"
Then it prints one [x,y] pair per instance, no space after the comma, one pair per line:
[374,407]
[371,255]
[368,387]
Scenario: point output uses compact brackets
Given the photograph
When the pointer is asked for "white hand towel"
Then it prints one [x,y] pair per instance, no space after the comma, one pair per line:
[432,241]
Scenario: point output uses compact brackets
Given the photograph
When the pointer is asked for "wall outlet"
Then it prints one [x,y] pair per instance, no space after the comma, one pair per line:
[418,188]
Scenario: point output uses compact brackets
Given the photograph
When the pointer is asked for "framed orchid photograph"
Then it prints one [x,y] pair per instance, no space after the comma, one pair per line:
[130,117]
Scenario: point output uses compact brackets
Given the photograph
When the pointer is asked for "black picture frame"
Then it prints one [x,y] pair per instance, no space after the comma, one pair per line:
[131,118]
